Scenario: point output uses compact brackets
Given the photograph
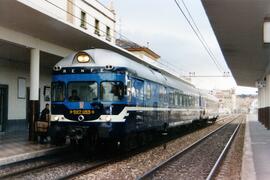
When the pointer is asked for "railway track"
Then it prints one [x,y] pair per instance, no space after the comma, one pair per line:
[202,159]
[19,169]
[63,167]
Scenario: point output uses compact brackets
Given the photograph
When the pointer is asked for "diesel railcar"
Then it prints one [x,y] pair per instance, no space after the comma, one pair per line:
[98,95]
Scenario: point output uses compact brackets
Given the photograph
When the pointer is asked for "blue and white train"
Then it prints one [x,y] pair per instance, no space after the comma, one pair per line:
[98,94]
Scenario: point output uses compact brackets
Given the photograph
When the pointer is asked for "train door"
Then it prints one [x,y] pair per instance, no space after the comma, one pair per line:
[3,106]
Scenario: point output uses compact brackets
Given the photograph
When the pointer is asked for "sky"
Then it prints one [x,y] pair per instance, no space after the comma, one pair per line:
[161,24]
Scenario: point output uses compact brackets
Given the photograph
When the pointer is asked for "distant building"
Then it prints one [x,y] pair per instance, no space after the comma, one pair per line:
[227,100]
[142,52]
[246,103]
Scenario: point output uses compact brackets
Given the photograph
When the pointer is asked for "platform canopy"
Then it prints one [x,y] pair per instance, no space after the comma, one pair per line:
[238,25]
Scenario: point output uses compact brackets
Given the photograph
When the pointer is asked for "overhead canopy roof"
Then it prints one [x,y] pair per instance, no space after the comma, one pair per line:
[238,25]
[19,17]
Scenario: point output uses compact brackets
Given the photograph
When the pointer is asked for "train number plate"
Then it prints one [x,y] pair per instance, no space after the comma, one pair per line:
[81,112]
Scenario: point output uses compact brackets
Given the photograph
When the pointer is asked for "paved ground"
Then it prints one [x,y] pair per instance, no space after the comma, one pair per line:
[256,157]
[16,147]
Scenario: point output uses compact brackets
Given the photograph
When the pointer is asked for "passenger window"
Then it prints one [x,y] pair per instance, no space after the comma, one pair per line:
[180,100]
[162,94]
[138,89]
[171,98]
[175,99]
[148,91]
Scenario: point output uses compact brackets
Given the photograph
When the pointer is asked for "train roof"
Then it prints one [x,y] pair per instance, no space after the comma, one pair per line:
[103,57]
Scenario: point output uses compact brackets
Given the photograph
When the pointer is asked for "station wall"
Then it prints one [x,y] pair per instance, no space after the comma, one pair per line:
[10,72]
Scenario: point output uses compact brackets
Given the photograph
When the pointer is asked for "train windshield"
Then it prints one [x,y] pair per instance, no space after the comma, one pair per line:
[112,91]
[82,91]
[58,91]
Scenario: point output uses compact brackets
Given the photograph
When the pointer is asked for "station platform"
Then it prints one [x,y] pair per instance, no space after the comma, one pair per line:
[256,155]
[14,147]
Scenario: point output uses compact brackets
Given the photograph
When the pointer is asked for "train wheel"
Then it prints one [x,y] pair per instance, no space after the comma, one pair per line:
[141,139]
[129,142]
[73,142]
[58,140]
[91,141]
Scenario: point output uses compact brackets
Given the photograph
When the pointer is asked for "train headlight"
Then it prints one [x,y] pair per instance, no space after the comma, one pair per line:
[56,118]
[83,57]
[106,118]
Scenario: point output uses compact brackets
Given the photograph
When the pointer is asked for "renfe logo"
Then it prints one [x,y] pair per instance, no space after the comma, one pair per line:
[81,105]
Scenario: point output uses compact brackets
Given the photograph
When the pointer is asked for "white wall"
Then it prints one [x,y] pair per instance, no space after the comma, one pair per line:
[9,73]
[58,9]
[93,14]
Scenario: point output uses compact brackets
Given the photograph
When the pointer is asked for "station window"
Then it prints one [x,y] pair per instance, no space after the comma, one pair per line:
[108,33]
[83,19]
[97,31]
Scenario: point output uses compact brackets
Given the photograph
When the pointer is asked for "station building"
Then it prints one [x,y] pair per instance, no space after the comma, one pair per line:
[34,35]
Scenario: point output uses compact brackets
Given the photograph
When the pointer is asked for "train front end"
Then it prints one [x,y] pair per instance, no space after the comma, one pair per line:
[87,100]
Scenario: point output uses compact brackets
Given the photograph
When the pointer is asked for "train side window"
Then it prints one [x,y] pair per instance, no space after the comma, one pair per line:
[162,92]
[184,101]
[166,99]
[138,89]
[175,99]
[129,90]
[171,98]
[148,91]
[180,100]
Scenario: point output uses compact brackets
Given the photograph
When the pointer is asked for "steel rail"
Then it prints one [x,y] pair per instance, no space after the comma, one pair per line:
[54,163]
[95,166]
[98,165]
[221,157]
[182,152]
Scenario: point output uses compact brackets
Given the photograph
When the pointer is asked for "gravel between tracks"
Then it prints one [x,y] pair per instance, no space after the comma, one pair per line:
[135,166]
[197,162]
[27,165]
[231,167]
